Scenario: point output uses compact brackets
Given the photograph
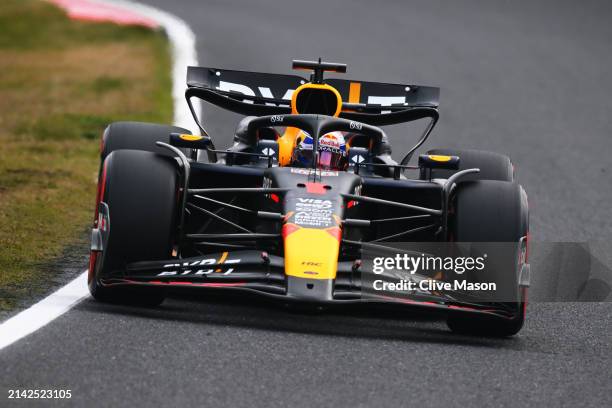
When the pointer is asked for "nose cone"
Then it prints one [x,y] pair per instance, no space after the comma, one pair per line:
[311,238]
[311,253]
[312,229]
[311,261]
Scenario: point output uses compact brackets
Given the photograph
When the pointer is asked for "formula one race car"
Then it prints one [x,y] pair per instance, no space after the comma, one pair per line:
[305,202]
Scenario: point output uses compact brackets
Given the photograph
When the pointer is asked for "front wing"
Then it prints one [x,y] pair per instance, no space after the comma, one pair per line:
[257,272]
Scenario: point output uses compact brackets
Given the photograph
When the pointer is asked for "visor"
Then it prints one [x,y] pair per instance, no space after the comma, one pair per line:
[325,159]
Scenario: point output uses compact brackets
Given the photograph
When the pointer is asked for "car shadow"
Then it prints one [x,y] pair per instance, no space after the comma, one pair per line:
[357,321]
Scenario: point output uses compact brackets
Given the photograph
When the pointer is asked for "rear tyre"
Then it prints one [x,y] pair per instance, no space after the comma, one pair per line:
[493,166]
[487,213]
[140,189]
[138,136]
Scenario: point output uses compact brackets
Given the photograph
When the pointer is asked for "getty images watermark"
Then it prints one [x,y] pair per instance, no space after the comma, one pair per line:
[427,265]
[558,271]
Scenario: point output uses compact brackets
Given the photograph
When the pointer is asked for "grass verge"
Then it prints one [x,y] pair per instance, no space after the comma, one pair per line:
[62,81]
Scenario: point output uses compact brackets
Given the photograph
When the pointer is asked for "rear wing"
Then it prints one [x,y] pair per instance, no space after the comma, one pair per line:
[260,94]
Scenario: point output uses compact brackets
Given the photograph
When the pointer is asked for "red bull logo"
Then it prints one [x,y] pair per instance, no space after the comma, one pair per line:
[330,140]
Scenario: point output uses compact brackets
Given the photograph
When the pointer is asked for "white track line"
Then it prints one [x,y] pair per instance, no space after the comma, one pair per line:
[182,42]
[43,312]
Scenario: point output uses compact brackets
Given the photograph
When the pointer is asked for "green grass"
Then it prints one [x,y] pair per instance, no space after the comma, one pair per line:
[62,82]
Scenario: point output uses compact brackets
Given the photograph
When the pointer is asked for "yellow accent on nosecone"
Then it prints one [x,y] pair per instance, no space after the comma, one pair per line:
[311,253]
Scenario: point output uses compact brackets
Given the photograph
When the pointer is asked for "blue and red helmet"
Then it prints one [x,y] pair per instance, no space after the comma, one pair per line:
[332,151]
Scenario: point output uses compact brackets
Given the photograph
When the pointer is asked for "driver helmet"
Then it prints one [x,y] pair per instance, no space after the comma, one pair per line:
[332,151]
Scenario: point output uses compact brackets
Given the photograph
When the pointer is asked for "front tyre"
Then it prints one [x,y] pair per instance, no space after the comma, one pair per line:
[493,217]
[140,190]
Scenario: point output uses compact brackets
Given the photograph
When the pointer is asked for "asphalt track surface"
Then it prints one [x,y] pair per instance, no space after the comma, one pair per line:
[530,79]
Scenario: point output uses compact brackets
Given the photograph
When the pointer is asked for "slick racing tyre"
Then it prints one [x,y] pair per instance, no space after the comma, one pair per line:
[492,216]
[137,136]
[493,166]
[140,190]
